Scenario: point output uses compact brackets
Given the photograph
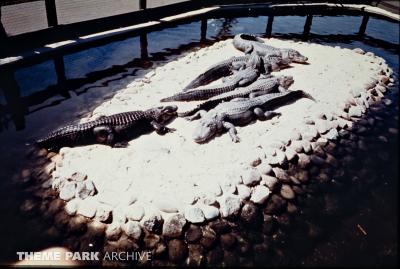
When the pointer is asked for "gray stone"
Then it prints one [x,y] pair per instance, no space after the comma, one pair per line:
[71,206]
[290,154]
[265,169]
[317,160]
[243,191]
[269,181]
[87,208]
[152,220]
[332,134]
[287,192]
[355,111]
[78,177]
[103,213]
[260,194]
[281,174]
[210,212]
[194,214]
[251,176]
[134,212]
[113,231]
[67,192]
[132,229]
[229,205]
[84,189]
[173,225]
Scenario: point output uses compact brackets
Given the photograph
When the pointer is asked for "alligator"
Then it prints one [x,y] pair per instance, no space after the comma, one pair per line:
[265,84]
[271,62]
[249,43]
[240,78]
[111,129]
[241,111]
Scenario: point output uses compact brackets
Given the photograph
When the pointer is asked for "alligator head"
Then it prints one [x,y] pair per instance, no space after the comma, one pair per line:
[293,55]
[285,81]
[163,114]
[206,129]
[250,37]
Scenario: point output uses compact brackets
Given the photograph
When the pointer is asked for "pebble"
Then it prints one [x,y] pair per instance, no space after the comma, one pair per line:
[281,174]
[210,212]
[196,255]
[132,229]
[229,205]
[77,177]
[220,226]
[151,240]
[67,191]
[152,220]
[177,250]
[297,146]
[208,238]
[387,102]
[50,168]
[310,133]
[260,194]
[393,131]
[355,111]
[47,184]
[322,126]
[322,141]
[290,154]
[304,160]
[359,51]
[275,205]
[85,189]
[193,234]
[278,159]
[227,241]
[269,181]
[250,213]
[244,192]
[295,135]
[194,214]
[287,192]
[265,169]
[383,138]
[71,206]
[173,225]
[119,214]
[134,212]
[332,134]
[103,213]
[87,208]
[251,177]
[255,161]
[306,146]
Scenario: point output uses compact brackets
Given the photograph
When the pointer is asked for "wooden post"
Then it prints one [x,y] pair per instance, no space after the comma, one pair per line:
[144,55]
[51,13]
[61,77]
[142,4]
[12,94]
[203,30]
[363,25]
[307,26]
[268,31]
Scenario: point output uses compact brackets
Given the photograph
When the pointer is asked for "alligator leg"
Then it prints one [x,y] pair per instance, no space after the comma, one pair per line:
[104,134]
[199,114]
[160,128]
[232,131]
[259,114]
[270,114]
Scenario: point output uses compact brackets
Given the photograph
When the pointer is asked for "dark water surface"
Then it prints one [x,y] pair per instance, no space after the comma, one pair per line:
[93,76]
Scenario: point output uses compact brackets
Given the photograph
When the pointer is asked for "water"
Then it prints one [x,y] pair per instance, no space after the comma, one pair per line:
[93,76]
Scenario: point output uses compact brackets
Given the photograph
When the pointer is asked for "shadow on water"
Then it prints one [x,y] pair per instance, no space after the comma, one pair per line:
[334,237]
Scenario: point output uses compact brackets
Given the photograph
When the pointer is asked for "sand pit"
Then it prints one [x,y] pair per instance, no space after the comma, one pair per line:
[175,179]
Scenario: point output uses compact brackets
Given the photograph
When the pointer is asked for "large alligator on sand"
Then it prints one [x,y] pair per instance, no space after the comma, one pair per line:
[225,68]
[110,129]
[263,85]
[240,78]
[249,44]
[241,111]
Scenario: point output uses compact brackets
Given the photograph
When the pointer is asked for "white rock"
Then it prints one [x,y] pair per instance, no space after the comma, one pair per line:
[260,194]
[278,159]
[173,225]
[151,220]
[229,205]
[251,176]
[87,208]
[103,212]
[264,168]
[322,126]
[119,214]
[297,146]
[134,212]
[194,214]
[84,189]
[243,191]
[113,231]
[67,192]
[210,212]
[355,111]
[132,229]
[290,154]
[71,206]
[269,181]
[332,134]
[306,146]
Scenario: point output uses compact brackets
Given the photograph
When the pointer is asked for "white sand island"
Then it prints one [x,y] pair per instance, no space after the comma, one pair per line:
[171,177]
